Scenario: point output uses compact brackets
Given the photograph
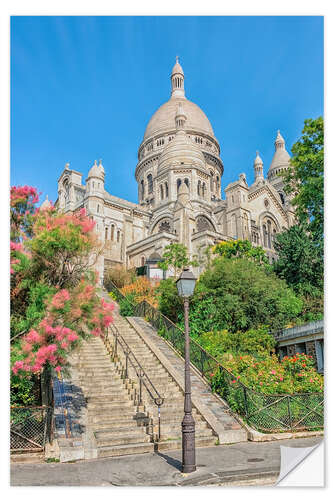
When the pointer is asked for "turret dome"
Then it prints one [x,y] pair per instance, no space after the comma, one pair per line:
[97,170]
[280,159]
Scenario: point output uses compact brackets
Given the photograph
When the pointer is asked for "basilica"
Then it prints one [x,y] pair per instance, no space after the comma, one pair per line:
[179,175]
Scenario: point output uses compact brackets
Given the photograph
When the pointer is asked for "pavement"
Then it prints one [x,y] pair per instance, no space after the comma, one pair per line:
[240,464]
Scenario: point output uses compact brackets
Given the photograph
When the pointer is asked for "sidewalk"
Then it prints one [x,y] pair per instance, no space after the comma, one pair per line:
[229,465]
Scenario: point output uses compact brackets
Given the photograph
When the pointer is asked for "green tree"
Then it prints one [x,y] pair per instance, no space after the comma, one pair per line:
[305,178]
[300,262]
[240,295]
[175,257]
[240,249]
[169,302]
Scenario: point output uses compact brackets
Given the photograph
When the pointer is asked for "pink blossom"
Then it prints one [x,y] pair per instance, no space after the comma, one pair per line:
[58,368]
[18,365]
[72,336]
[15,247]
[33,337]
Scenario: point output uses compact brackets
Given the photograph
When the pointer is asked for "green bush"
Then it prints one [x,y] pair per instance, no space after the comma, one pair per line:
[126,308]
[257,342]
[169,302]
[238,295]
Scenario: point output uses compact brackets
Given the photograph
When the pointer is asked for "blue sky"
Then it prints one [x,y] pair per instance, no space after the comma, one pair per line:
[84,88]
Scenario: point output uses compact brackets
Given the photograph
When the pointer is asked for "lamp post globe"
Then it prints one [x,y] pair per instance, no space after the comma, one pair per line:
[185,286]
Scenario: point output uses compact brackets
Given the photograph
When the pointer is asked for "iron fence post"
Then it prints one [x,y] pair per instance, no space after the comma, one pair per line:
[289,412]
[115,344]
[245,402]
[126,365]
[140,387]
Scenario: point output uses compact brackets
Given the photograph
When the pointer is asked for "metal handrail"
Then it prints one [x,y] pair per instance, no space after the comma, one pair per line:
[141,374]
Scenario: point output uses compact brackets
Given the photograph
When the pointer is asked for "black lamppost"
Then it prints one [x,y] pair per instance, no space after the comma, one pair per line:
[185,286]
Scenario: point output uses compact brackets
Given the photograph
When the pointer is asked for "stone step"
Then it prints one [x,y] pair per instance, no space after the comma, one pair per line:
[176,444]
[130,449]
[104,395]
[109,405]
[122,439]
[126,415]
[115,432]
[120,396]
[176,433]
[117,424]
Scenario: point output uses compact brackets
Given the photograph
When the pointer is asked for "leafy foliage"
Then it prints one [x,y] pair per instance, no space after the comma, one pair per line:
[169,302]
[293,375]
[120,276]
[299,262]
[175,257]
[305,179]
[240,295]
[240,249]
[141,289]
[256,342]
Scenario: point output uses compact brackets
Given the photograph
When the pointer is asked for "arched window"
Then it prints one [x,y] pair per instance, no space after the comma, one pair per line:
[97,208]
[233,226]
[142,261]
[142,189]
[199,188]
[269,233]
[217,183]
[118,236]
[211,180]
[203,224]
[187,182]
[179,181]
[264,228]
[106,233]
[166,190]
[150,183]
[161,192]
[112,232]
[203,189]
[282,198]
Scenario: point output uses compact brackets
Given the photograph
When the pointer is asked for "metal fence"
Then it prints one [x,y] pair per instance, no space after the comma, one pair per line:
[264,412]
[30,428]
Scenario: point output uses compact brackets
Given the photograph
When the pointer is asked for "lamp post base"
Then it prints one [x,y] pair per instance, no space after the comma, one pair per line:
[188,443]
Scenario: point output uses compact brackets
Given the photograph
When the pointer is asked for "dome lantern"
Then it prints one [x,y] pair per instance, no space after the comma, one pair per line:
[177,80]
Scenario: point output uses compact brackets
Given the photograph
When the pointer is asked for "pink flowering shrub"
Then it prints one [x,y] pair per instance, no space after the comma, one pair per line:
[50,342]
[54,299]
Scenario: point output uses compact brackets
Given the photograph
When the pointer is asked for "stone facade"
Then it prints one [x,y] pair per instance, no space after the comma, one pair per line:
[179,175]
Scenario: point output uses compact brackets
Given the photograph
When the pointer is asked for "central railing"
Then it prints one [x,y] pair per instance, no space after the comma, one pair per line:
[133,369]
[265,412]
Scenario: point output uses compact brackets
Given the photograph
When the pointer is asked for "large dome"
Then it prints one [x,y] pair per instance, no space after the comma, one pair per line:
[163,119]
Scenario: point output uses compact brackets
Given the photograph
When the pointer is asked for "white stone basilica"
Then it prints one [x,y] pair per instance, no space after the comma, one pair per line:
[179,173]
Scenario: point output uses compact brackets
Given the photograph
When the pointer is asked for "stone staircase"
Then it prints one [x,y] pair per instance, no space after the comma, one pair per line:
[172,410]
[117,426]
